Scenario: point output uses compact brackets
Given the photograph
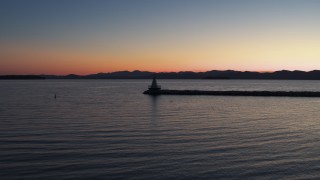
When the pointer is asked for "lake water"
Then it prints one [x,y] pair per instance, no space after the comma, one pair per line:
[107,129]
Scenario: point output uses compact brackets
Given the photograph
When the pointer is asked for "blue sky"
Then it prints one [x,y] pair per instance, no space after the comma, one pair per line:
[121,25]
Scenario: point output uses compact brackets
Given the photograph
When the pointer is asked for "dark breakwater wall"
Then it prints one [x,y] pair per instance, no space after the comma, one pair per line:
[235,93]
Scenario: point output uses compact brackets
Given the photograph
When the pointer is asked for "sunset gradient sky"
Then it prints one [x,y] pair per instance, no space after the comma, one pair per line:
[91,36]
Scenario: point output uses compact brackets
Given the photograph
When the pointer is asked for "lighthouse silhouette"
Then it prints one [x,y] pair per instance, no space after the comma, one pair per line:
[154,86]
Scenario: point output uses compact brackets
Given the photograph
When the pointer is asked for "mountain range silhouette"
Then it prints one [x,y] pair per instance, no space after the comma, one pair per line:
[214,74]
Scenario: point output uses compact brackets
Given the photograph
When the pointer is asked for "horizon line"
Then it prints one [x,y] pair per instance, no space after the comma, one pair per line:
[42,74]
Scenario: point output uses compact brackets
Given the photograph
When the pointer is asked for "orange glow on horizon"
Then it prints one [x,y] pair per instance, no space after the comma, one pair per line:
[270,54]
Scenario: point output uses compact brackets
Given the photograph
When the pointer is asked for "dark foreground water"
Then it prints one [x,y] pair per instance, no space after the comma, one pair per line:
[107,129]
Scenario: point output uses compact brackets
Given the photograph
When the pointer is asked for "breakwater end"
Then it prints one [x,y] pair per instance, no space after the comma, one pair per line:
[234,93]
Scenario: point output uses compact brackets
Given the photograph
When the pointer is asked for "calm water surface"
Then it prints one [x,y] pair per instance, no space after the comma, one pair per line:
[107,129]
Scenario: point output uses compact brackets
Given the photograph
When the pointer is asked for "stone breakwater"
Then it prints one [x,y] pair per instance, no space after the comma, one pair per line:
[235,93]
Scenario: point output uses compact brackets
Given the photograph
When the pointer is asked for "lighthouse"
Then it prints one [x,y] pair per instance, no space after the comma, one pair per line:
[154,86]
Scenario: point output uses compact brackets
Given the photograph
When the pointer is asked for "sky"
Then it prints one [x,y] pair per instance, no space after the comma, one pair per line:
[91,36]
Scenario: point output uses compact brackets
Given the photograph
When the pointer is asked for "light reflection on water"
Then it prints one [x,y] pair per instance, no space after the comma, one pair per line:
[108,129]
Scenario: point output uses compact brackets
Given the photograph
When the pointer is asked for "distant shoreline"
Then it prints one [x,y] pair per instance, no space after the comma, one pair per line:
[208,75]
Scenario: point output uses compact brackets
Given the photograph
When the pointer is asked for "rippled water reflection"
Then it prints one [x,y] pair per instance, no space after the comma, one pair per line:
[108,129]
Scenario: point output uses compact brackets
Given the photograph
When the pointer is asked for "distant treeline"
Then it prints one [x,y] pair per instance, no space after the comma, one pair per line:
[229,74]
